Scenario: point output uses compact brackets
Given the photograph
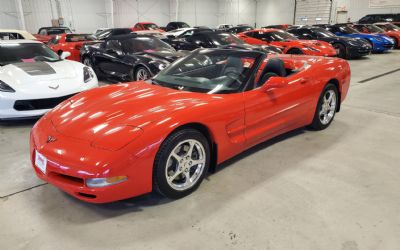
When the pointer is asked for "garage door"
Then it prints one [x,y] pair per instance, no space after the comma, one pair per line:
[312,11]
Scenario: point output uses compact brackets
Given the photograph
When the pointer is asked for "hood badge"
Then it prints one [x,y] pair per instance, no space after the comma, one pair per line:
[55,87]
[50,139]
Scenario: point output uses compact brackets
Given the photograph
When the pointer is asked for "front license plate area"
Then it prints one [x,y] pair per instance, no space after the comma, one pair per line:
[40,162]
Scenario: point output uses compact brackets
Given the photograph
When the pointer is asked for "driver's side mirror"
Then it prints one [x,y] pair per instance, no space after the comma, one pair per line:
[274,82]
[65,54]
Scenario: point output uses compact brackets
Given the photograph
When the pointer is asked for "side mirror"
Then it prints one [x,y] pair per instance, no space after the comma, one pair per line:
[65,54]
[274,82]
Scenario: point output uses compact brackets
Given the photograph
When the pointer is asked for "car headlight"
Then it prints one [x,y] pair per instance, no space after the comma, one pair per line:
[104,182]
[116,137]
[311,48]
[4,87]
[87,74]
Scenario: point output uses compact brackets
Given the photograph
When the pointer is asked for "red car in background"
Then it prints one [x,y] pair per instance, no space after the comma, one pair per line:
[387,29]
[289,43]
[45,34]
[71,43]
[146,26]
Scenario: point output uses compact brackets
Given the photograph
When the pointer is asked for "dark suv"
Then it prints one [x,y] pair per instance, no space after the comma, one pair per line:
[374,18]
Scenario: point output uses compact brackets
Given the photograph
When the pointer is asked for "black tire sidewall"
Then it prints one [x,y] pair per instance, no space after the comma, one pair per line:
[342,50]
[317,124]
[159,180]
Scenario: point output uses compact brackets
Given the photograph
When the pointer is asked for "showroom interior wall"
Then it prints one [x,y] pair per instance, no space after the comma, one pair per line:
[87,15]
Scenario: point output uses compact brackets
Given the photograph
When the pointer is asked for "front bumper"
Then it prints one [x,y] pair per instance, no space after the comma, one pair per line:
[71,161]
[380,47]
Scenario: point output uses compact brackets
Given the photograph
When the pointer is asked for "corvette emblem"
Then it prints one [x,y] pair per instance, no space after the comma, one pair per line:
[54,87]
[50,139]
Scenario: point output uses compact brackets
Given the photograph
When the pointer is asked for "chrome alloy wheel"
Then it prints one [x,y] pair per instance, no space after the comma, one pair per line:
[328,107]
[142,74]
[185,165]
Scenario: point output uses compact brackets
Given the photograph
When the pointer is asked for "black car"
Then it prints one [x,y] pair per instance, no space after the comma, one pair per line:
[346,47]
[176,25]
[375,18]
[105,34]
[49,31]
[129,57]
[216,39]
[240,29]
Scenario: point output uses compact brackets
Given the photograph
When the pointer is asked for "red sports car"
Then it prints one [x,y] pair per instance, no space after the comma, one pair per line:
[147,26]
[388,29]
[71,43]
[289,43]
[164,134]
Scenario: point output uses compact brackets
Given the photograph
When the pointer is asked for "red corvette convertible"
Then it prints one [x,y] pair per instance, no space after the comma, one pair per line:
[125,140]
[289,43]
[71,43]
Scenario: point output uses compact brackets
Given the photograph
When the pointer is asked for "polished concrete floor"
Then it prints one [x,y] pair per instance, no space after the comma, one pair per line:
[334,189]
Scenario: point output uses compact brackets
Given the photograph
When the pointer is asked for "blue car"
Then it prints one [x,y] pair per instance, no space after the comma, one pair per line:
[379,42]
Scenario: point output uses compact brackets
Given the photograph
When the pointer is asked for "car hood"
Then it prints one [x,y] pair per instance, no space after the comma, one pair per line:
[312,43]
[32,76]
[162,55]
[98,111]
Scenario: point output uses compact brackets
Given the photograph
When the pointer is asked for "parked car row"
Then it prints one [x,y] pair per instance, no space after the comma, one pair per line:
[191,98]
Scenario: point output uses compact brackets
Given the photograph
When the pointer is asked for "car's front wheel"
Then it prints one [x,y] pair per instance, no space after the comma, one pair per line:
[340,50]
[181,163]
[326,108]
[141,74]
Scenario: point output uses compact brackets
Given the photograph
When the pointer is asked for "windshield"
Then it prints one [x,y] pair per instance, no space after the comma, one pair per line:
[145,44]
[280,36]
[58,31]
[26,52]
[106,33]
[369,29]
[388,27]
[79,37]
[323,33]
[348,30]
[182,25]
[224,39]
[150,26]
[210,71]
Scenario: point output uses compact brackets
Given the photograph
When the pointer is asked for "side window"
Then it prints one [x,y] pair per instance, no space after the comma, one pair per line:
[137,26]
[43,32]
[250,34]
[114,45]
[307,34]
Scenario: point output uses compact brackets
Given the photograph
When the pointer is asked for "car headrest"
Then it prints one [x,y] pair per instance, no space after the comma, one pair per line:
[274,67]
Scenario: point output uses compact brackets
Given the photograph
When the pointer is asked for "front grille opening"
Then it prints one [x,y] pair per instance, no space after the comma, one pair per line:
[68,178]
[90,196]
[36,104]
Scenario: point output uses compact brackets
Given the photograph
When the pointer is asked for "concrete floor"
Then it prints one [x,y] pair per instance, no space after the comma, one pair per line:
[335,189]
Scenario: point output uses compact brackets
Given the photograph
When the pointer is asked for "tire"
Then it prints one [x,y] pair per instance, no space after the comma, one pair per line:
[173,161]
[141,74]
[295,51]
[396,43]
[341,50]
[326,110]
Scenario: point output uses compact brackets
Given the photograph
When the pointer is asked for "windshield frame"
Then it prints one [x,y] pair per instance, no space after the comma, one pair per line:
[248,81]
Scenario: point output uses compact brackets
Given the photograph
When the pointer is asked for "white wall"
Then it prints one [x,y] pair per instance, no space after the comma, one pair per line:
[237,12]
[271,12]
[8,14]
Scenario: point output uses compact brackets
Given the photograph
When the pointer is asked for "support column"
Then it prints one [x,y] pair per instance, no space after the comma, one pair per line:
[110,13]
[20,14]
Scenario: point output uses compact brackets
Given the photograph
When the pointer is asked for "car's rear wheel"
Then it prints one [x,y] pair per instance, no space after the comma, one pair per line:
[295,51]
[340,50]
[181,163]
[326,108]
[141,74]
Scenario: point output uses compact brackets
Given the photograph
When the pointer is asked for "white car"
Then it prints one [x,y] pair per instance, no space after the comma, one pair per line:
[9,34]
[224,26]
[34,79]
